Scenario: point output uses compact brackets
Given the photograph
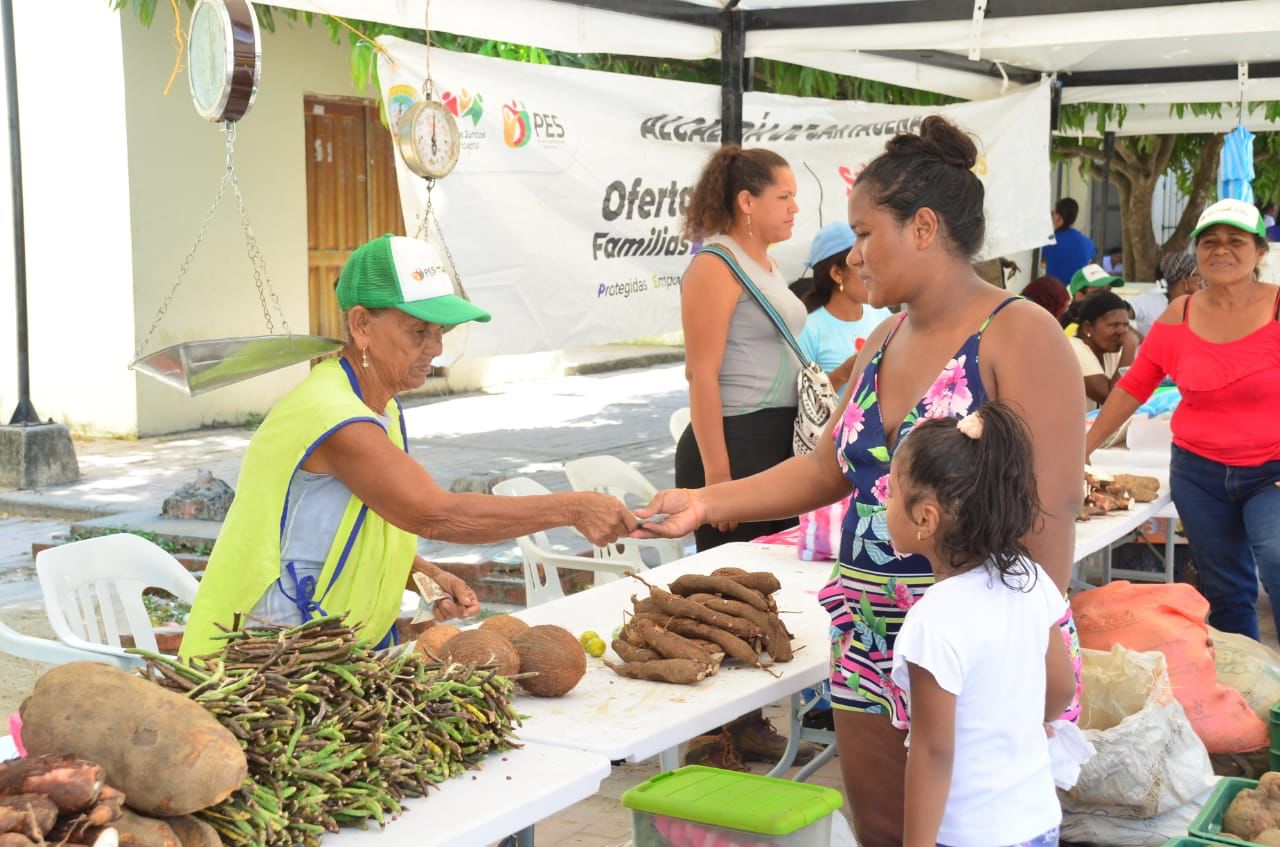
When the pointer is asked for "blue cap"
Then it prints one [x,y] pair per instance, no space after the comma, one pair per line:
[831,239]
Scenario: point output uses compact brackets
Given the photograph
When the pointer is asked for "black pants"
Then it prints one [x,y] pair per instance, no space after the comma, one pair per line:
[756,442]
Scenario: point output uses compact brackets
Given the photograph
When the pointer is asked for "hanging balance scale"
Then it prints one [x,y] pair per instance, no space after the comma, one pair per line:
[224,68]
[429,142]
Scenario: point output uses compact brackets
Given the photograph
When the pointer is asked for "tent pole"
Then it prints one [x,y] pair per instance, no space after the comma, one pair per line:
[733,44]
[25,413]
[1108,150]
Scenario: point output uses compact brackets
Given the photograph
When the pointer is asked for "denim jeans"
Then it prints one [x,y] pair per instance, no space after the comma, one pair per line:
[1232,519]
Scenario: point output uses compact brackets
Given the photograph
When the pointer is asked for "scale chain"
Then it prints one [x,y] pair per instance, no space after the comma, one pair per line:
[256,259]
[425,222]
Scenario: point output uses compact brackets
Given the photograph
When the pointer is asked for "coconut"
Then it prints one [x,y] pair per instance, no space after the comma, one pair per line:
[554,655]
[506,625]
[477,647]
[435,637]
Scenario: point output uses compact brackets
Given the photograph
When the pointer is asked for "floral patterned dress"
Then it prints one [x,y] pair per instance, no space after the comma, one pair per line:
[871,588]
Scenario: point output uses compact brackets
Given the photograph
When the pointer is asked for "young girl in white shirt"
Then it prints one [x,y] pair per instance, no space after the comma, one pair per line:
[979,657]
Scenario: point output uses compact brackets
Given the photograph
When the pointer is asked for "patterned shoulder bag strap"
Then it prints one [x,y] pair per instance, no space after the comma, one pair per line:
[756,294]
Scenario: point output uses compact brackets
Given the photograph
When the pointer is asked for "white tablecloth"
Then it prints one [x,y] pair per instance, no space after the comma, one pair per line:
[634,719]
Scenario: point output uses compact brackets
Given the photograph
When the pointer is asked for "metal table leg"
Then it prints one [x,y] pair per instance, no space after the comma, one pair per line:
[523,838]
[1169,550]
[795,711]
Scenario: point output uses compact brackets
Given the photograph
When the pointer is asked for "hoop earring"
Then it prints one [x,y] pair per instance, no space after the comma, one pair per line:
[750,234]
[364,358]
[840,285]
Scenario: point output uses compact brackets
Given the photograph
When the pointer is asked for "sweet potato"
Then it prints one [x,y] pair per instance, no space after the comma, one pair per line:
[193,832]
[733,646]
[725,586]
[140,831]
[629,652]
[33,815]
[680,607]
[71,784]
[15,839]
[108,808]
[728,572]
[678,671]
[669,644]
[165,752]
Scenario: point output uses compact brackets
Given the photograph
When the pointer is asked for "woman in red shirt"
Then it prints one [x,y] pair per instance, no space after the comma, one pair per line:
[1222,347]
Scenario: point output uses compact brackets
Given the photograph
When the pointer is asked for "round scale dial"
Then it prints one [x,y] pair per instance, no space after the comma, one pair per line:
[226,59]
[428,139]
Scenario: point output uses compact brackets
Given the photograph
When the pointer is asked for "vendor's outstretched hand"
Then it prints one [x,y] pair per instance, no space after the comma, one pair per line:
[461,602]
[684,513]
[603,518]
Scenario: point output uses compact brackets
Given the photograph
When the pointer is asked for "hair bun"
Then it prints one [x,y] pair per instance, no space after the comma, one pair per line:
[940,138]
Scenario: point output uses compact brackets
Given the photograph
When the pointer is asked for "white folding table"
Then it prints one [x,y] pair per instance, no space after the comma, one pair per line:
[635,719]
[504,800]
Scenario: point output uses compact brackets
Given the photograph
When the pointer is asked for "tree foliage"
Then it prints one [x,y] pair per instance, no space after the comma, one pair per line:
[1134,169]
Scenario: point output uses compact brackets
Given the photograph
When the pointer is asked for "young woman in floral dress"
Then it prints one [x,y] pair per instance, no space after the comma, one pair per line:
[917,211]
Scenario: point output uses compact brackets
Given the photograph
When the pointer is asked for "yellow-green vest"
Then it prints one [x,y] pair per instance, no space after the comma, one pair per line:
[368,565]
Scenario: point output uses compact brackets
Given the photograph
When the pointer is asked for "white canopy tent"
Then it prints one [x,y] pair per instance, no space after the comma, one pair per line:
[1152,52]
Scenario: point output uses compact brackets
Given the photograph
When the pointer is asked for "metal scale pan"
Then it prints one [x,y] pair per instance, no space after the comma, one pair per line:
[195,367]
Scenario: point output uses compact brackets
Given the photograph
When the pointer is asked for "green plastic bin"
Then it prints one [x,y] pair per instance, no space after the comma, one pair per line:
[677,808]
[1208,823]
[1188,841]
[1275,737]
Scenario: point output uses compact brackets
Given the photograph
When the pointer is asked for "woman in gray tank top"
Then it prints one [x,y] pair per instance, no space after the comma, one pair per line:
[742,375]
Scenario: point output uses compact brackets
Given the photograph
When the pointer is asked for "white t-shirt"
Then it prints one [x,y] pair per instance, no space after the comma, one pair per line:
[1089,365]
[985,643]
[1147,308]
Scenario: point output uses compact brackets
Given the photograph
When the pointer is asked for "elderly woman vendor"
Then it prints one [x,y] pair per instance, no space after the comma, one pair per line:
[329,504]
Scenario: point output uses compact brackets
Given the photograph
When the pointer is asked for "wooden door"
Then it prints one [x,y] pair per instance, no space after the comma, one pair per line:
[351,195]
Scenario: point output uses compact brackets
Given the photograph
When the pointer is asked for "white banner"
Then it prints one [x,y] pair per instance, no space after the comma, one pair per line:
[563,214]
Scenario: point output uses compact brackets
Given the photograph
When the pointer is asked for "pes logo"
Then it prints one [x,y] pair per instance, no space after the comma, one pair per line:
[519,126]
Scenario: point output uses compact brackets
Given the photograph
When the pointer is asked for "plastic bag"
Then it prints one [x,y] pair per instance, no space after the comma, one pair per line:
[1122,832]
[1171,619]
[1248,666]
[1149,760]
[820,531]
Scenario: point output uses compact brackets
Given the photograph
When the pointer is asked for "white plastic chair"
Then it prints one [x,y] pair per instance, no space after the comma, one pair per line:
[83,581]
[51,652]
[541,577]
[611,475]
[679,421]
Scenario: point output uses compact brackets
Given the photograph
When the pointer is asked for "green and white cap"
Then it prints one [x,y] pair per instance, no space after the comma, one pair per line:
[1092,276]
[407,274]
[1236,213]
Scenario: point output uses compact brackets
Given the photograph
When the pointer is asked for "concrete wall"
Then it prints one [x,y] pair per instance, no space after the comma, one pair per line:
[176,160]
[76,186]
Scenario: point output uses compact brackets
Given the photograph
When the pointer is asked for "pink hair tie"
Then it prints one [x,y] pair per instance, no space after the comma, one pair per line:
[971,425]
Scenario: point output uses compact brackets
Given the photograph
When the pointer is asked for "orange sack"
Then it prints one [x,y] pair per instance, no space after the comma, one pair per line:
[1171,619]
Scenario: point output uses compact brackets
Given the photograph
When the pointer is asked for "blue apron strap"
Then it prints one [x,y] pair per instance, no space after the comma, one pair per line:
[304,599]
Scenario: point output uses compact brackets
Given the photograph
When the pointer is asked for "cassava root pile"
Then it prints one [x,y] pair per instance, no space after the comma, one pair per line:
[335,734]
[1105,493]
[56,800]
[682,635]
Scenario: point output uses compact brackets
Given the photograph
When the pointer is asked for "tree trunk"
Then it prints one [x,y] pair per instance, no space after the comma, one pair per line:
[1134,170]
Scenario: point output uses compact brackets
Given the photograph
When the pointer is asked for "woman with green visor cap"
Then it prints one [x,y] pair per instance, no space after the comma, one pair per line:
[1221,345]
[329,504]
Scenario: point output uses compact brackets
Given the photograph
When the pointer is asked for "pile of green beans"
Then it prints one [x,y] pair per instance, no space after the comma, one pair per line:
[335,734]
